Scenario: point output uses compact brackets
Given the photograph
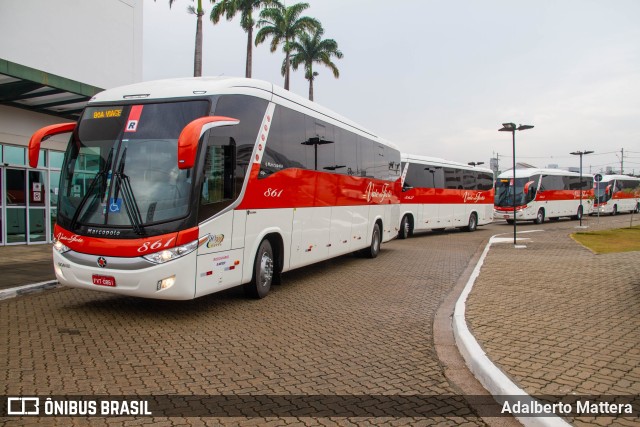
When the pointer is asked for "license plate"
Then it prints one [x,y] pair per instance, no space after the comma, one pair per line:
[506,217]
[104,280]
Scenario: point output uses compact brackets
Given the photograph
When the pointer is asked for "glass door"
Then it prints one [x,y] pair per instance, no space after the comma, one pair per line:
[15,205]
[36,189]
[25,198]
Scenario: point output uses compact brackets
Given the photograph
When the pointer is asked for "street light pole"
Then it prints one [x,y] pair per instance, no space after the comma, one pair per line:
[581,153]
[511,127]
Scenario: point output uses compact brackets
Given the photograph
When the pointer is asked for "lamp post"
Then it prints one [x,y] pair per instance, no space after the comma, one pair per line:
[581,153]
[511,127]
[474,164]
[433,174]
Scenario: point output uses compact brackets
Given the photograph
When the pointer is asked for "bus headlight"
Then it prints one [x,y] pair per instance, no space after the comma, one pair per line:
[60,247]
[167,255]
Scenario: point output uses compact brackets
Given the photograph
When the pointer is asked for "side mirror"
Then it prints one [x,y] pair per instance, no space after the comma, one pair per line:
[191,134]
[608,189]
[526,187]
[43,134]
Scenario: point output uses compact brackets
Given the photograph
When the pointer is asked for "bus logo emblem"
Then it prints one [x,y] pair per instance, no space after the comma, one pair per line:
[102,262]
[214,241]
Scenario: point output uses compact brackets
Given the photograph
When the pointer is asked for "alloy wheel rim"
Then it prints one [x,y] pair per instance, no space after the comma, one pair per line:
[266,269]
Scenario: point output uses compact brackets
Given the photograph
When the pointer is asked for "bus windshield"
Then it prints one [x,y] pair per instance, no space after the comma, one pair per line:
[121,168]
[504,192]
[600,191]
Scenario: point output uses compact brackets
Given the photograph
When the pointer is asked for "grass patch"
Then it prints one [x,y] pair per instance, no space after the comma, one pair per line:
[610,241]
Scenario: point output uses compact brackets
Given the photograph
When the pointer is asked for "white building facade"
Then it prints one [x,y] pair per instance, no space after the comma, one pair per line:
[54,56]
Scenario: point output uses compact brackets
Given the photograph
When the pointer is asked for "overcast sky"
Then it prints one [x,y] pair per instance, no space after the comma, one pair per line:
[438,78]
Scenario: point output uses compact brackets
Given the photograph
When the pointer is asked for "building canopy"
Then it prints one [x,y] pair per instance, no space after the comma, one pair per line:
[41,92]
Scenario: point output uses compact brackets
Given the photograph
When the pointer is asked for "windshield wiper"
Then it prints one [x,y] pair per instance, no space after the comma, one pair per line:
[130,204]
[99,177]
[503,197]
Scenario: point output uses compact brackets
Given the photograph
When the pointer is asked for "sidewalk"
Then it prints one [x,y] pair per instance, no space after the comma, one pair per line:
[560,320]
[25,264]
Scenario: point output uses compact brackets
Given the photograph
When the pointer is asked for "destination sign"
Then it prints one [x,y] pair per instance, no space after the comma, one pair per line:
[104,112]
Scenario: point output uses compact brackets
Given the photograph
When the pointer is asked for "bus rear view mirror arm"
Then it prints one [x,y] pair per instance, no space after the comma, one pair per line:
[43,134]
[191,134]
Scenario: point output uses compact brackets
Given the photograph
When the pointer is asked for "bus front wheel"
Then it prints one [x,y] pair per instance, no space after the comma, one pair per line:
[263,268]
[539,217]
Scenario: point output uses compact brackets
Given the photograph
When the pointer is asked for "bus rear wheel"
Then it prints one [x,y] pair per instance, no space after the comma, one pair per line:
[539,217]
[405,228]
[374,249]
[263,269]
[578,214]
[473,222]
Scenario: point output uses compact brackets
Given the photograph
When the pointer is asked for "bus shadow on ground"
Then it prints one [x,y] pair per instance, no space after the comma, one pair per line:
[132,307]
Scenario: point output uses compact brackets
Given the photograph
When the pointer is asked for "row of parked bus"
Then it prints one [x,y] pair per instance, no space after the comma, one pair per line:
[540,194]
[180,188]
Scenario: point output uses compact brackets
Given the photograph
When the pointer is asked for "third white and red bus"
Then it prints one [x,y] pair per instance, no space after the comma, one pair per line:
[543,194]
[617,193]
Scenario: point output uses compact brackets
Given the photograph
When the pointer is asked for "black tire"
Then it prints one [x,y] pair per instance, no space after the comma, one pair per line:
[405,228]
[473,222]
[578,215]
[263,271]
[539,217]
[615,210]
[374,249]
[510,221]
[637,209]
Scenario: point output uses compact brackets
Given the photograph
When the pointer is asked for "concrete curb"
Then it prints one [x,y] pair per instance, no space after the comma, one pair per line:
[27,289]
[489,375]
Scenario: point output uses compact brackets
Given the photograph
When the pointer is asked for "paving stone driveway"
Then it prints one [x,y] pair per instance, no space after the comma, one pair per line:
[348,326]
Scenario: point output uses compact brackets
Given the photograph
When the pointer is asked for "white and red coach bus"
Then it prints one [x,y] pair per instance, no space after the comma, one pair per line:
[179,188]
[543,193]
[617,193]
[437,194]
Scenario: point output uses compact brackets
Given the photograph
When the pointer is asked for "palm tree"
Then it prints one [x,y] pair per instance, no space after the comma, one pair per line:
[230,8]
[197,56]
[284,24]
[312,48]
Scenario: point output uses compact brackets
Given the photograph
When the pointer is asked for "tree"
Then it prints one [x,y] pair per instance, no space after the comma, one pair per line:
[310,49]
[230,8]
[197,56]
[284,25]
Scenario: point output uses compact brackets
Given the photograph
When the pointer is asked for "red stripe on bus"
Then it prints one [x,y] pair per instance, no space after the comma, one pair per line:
[437,196]
[315,189]
[118,247]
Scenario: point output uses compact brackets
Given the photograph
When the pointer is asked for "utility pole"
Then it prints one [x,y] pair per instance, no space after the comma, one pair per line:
[622,161]
[494,164]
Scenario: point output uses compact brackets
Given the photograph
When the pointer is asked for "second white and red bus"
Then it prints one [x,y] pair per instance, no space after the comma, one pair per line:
[438,194]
